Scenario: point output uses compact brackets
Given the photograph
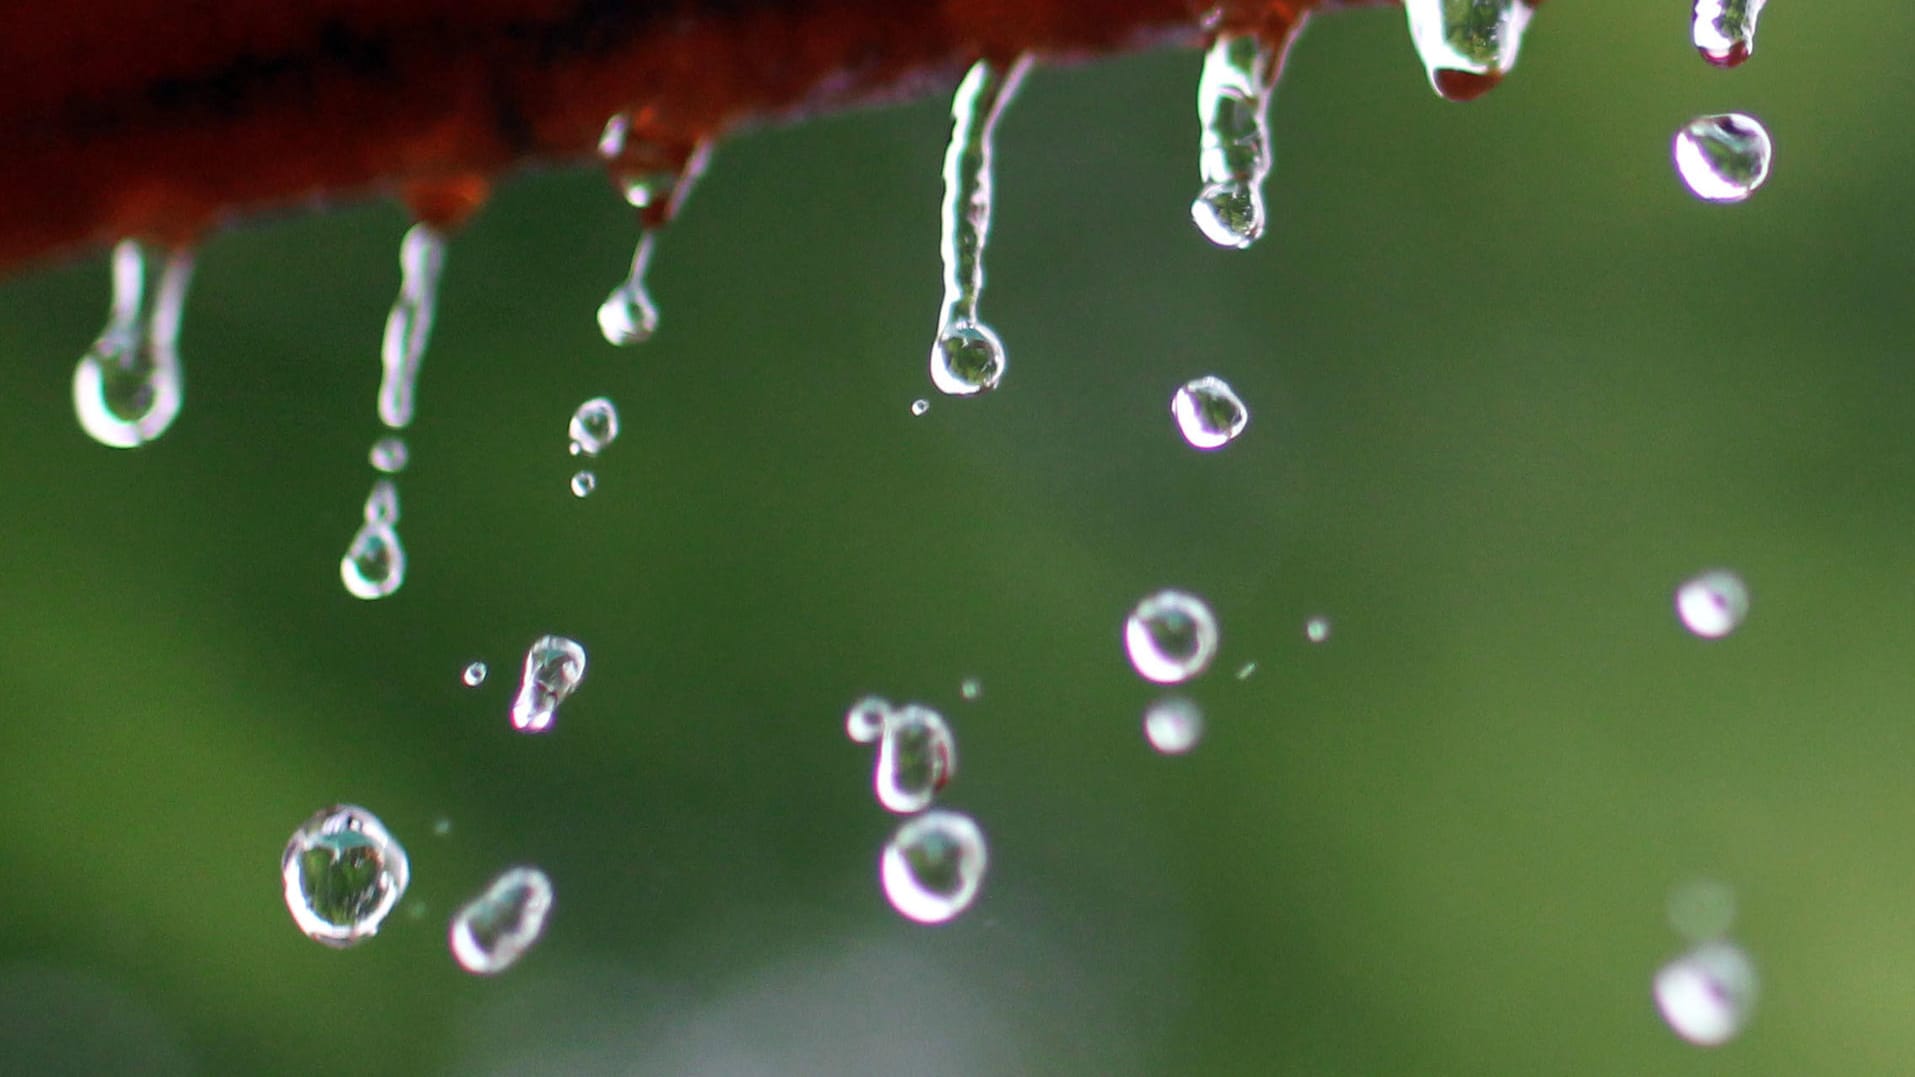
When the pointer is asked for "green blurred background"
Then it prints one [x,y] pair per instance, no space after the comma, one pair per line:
[1509,384]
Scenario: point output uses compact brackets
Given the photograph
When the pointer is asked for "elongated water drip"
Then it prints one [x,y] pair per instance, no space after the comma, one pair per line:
[1467,46]
[127,388]
[655,181]
[409,326]
[1725,30]
[968,357]
[1233,100]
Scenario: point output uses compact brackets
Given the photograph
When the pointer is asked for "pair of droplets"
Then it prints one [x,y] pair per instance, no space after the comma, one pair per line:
[933,865]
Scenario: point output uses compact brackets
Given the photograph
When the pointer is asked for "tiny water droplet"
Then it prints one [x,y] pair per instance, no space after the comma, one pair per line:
[474,674]
[933,865]
[1171,637]
[1233,156]
[920,406]
[1713,604]
[583,483]
[1702,909]
[1246,671]
[1723,158]
[917,757]
[375,562]
[343,874]
[127,388]
[1706,995]
[864,722]
[1725,30]
[409,324]
[441,827]
[554,666]
[389,455]
[1467,46]
[1173,726]
[971,688]
[594,426]
[1316,629]
[1209,412]
[490,933]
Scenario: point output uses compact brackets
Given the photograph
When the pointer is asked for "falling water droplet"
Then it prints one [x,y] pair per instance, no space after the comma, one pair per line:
[971,688]
[474,674]
[1171,637]
[554,666]
[1723,158]
[1467,46]
[1316,629]
[594,426]
[655,180]
[917,756]
[1233,99]
[1702,909]
[1173,726]
[1209,412]
[389,455]
[343,874]
[920,406]
[628,316]
[583,483]
[1713,604]
[1706,995]
[492,931]
[1725,30]
[932,867]
[864,722]
[409,325]
[375,563]
[127,388]
[1246,671]
[967,357]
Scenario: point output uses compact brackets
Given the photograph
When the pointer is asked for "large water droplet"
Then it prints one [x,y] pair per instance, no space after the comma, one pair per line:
[1725,30]
[474,674]
[127,388]
[967,359]
[1712,604]
[554,666]
[1171,637]
[1723,158]
[1173,726]
[917,756]
[343,874]
[409,325]
[864,722]
[1706,995]
[375,563]
[932,867]
[1209,412]
[1467,46]
[389,455]
[495,929]
[594,426]
[1233,99]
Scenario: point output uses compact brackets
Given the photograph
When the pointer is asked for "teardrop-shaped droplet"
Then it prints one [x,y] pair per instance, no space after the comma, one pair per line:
[1723,158]
[1209,412]
[933,866]
[1171,637]
[375,562]
[968,359]
[917,756]
[864,722]
[655,180]
[554,666]
[492,931]
[343,873]
[127,388]
[409,325]
[583,483]
[1233,98]
[1725,30]
[1173,726]
[1712,604]
[628,316]
[389,455]
[1229,214]
[1467,46]
[1706,995]
[594,426]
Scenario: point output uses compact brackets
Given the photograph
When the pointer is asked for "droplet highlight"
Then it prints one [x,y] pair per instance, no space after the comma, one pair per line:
[1724,30]
[1712,604]
[409,325]
[389,455]
[917,757]
[1171,637]
[1233,158]
[343,874]
[128,387]
[1209,413]
[554,666]
[1467,46]
[474,674]
[933,866]
[594,426]
[1173,726]
[1723,158]
[374,565]
[1706,995]
[490,933]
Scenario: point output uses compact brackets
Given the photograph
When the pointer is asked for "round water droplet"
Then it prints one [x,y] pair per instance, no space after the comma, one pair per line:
[932,867]
[494,930]
[1209,412]
[1173,726]
[121,398]
[917,756]
[1712,604]
[375,563]
[1723,158]
[474,674]
[971,688]
[967,359]
[1706,995]
[920,406]
[554,666]
[864,722]
[1229,214]
[343,874]
[1702,909]
[389,455]
[584,483]
[1171,637]
[594,426]
[627,316]
[1316,629]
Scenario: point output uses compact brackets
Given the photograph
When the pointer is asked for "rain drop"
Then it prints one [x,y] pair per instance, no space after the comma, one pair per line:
[583,483]
[1725,30]
[343,874]
[864,722]
[1713,604]
[1173,726]
[1209,412]
[1171,637]
[409,325]
[1706,994]
[554,666]
[474,674]
[932,867]
[594,426]
[375,563]
[1467,46]
[491,932]
[127,388]
[917,757]
[1723,158]
[389,455]
[1233,98]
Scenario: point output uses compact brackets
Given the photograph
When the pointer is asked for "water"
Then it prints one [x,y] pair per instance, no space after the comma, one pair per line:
[583,483]
[1725,30]
[409,325]
[967,357]
[1316,629]
[917,757]
[594,426]
[492,931]
[628,316]
[127,388]
[374,565]
[343,874]
[655,181]
[1209,412]
[1712,604]
[933,866]
[1467,46]
[1706,995]
[1171,637]
[1233,157]
[864,722]
[1173,726]
[920,406]
[1723,158]
[554,666]
[474,674]
[389,455]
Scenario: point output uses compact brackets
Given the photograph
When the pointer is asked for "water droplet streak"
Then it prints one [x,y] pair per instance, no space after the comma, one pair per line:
[1233,157]
[127,388]
[409,325]
[656,181]
[1467,46]
[1209,413]
[1706,995]
[1171,637]
[1173,726]
[343,874]
[933,865]
[967,357]
[374,565]
[1724,30]
[1723,158]
[491,932]
[1712,604]
[554,666]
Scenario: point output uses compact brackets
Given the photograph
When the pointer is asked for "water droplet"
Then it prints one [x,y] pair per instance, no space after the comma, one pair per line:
[474,674]
[1706,995]
[655,180]
[932,867]
[920,406]
[1702,909]
[1712,605]
[1209,412]
[491,932]
[917,756]
[967,357]
[864,722]
[971,688]
[389,455]
[1173,726]
[583,483]
[409,325]
[127,388]
[594,426]
[1467,46]
[1316,629]
[1171,637]
[1246,671]
[1725,30]
[554,666]
[1233,157]
[343,874]
[1723,158]
[375,563]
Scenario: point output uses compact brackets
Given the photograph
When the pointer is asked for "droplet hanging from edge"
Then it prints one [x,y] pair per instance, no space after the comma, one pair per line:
[554,666]
[128,387]
[917,758]
[1233,158]
[967,357]
[409,325]
[594,426]
[656,181]
[343,874]
[628,316]
[492,931]
[389,455]
[1707,994]
[374,565]
[1712,604]
[933,866]
[474,674]
[583,483]
[1467,46]
[1173,726]
[1171,636]
[1723,158]
[1724,30]
[1209,412]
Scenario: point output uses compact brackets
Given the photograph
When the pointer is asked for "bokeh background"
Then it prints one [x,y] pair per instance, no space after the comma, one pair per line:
[1510,384]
